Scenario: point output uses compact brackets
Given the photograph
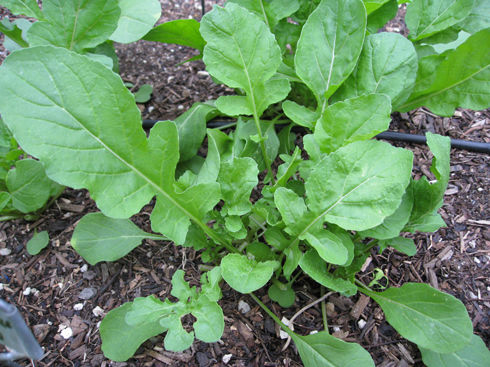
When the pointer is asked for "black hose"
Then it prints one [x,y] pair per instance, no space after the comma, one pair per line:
[203,7]
[472,146]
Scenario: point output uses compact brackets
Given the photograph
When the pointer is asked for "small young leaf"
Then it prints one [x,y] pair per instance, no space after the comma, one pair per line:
[330,44]
[177,338]
[28,185]
[322,349]
[237,179]
[136,19]
[180,288]
[354,119]
[300,115]
[315,267]
[210,322]
[245,275]
[191,126]
[121,340]
[429,197]
[474,354]
[330,247]
[282,294]
[99,238]
[425,316]
[402,244]
[39,241]
[143,94]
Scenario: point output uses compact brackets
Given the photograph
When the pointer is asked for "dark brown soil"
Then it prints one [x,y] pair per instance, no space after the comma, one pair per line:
[454,259]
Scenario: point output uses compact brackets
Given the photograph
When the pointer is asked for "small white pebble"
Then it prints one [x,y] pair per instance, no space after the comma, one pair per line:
[27,291]
[84,268]
[35,291]
[97,311]
[480,189]
[180,107]
[98,324]
[49,322]
[5,251]
[361,323]
[227,358]
[243,307]
[1,286]
[477,260]
[313,332]
[78,306]
[472,295]
[336,328]
[60,285]
[150,109]
[65,331]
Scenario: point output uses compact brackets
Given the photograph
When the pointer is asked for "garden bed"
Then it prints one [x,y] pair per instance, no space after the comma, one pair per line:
[56,290]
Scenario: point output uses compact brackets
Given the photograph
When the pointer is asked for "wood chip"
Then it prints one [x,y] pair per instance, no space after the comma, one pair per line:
[359,307]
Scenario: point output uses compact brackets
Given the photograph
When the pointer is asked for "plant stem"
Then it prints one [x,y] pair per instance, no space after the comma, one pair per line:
[324,310]
[271,314]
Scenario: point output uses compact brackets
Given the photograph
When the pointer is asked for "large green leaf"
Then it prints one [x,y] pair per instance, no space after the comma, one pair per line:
[461,80]
[426,17]
[28,185]
[136,20]
[359,118]
[242,53]
[323,349]
[121,340]
[478,18]
[330,44]
[475,354]
[99,238]
[80,120]
[75,24]
[388,65]
[425,316]
[24,7]
[359,185]
[183,32]
[245,275]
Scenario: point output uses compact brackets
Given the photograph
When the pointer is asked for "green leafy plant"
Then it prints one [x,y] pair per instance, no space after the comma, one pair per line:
[320,216]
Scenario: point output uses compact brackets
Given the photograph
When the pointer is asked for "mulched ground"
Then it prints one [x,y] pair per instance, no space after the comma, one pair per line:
[56,290]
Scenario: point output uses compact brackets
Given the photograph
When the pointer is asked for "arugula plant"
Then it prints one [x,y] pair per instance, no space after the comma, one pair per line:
[329,72]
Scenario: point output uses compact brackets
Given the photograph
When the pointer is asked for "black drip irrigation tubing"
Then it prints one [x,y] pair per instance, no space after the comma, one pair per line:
[472,146]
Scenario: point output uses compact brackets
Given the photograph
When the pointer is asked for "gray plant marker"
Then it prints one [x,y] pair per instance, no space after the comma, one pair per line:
[16,336]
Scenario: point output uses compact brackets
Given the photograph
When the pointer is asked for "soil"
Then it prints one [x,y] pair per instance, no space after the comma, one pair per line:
[56,290]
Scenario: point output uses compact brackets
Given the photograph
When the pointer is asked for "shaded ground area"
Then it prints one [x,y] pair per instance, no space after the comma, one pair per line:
[57,290]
